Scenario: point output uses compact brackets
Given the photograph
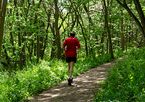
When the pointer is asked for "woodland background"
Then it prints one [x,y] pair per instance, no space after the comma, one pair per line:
[32,31]
[35,29]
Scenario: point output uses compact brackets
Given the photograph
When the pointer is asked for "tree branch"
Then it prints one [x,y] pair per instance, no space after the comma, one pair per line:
[63,19]
[132,15]
[140,12]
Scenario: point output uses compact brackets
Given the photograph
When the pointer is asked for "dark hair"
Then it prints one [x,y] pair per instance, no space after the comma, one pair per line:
[72,33]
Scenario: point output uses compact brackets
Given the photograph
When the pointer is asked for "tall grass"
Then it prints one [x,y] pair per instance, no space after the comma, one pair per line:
[126,81]
[20,85]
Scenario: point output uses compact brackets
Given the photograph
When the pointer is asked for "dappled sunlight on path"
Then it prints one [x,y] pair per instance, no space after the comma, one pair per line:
[81,90]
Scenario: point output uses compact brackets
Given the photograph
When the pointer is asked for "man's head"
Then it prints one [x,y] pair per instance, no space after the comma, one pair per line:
[72,33]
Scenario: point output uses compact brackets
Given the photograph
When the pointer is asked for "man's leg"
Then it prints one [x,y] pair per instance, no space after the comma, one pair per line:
[70,73]
[69,68]
[71,65]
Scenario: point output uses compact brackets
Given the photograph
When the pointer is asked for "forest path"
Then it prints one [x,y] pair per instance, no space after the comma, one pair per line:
[82,87]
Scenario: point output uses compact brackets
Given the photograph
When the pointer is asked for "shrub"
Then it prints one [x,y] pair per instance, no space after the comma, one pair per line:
[126,80]
[19,85]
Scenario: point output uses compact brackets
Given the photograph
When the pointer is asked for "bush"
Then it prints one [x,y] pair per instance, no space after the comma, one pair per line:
[19,85]
[126,81]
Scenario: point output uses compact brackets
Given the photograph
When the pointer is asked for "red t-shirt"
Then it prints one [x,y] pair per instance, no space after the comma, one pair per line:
[72,44]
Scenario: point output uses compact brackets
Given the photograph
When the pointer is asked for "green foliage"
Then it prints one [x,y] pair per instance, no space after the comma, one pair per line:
[22,84]
[126,80]
[19,85]
[30,20]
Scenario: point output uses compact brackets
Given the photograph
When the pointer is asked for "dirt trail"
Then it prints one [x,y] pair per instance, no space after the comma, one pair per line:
[81,90]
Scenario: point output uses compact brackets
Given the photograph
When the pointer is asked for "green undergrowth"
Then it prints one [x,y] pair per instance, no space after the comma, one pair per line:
[126,81]
[20,85]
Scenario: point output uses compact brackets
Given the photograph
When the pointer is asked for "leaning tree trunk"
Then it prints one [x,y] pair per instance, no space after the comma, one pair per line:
[139,21]
[3,5]
[141,14]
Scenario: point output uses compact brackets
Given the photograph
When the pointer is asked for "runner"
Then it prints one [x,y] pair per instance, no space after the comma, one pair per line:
[70,45]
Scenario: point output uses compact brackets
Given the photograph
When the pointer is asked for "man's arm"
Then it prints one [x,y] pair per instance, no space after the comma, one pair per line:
[78,45]
[63,47]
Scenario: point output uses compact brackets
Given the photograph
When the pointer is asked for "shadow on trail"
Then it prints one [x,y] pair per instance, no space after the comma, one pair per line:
[81,90]
[78,92]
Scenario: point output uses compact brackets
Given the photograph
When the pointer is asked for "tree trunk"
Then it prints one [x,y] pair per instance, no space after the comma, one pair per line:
[140,12]
[102,41]
[38,47]
[3,5]
[108,30]
[84,39]
[20,37]
[7,57]
[57,37]
[20,51]
[122,34]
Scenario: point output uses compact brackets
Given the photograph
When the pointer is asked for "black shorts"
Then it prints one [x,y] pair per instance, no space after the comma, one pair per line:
[69,59]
